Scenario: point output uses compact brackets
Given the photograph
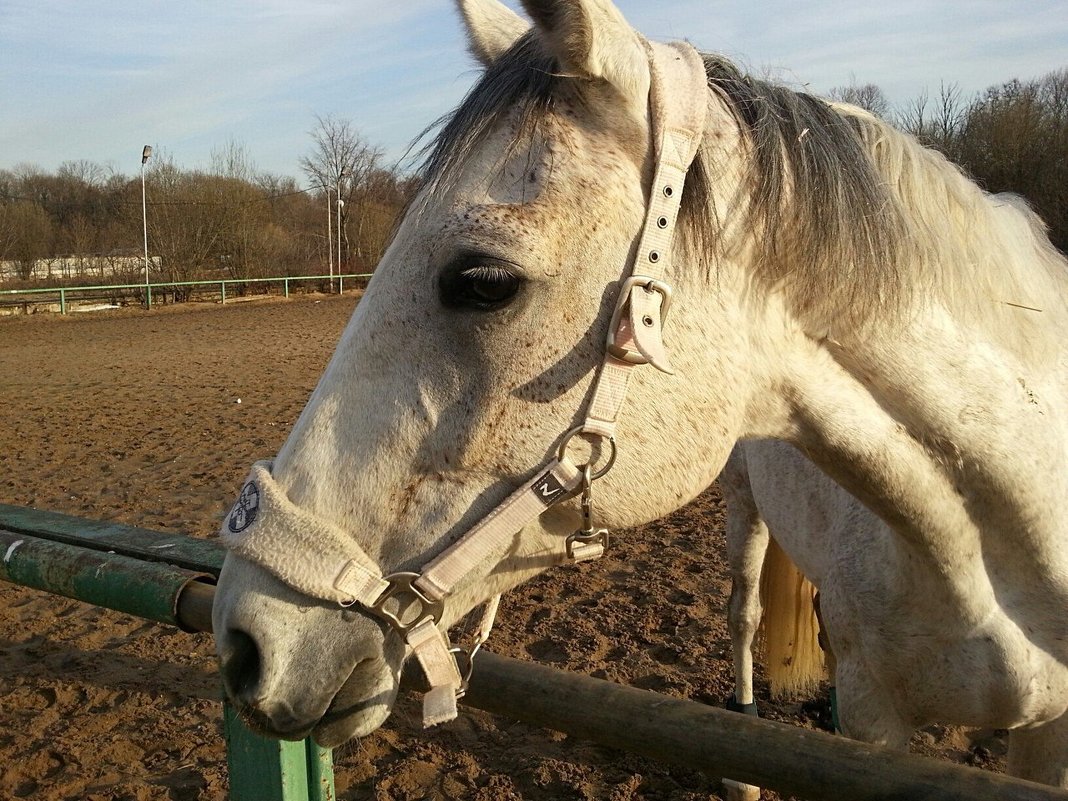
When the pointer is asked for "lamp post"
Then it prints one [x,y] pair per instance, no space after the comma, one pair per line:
[340,272]
[329,237]
[146,154]
[340,205]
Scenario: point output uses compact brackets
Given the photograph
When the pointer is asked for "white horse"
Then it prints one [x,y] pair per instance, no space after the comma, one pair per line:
[835,286]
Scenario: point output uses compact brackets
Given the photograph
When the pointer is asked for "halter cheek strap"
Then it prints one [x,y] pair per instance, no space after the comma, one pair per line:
[321,560]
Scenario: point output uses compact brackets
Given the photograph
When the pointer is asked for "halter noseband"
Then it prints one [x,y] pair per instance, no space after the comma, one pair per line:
[319,559]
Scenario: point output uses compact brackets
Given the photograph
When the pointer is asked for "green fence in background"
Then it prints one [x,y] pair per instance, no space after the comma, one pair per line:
[65,294]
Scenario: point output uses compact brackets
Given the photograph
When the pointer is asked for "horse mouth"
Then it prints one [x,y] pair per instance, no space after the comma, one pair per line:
[361,705]
[261,723]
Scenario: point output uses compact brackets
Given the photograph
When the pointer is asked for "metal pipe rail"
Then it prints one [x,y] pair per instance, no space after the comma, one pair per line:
[789,759]
[785,758]
[221,283]
[160,577]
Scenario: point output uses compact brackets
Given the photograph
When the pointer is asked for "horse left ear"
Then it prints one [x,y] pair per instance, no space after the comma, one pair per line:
[492,28]
[592,40]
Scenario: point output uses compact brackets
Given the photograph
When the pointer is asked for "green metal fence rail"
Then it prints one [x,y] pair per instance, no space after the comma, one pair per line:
[49,294]
[170,578]
[167,578]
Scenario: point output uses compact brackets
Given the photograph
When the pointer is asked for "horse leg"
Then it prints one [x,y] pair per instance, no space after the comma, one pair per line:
[1040,753]
[865,711]
[747,544]
[830,662]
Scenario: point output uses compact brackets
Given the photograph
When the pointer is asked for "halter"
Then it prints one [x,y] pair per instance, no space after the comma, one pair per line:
[319,559]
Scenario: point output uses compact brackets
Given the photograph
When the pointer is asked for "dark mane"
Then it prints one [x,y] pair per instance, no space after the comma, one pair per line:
[824,222]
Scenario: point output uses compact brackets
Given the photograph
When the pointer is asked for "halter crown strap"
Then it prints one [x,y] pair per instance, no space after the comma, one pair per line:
[321,560]
[678,106]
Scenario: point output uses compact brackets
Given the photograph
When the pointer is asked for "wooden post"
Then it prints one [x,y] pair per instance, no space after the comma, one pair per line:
[719,743]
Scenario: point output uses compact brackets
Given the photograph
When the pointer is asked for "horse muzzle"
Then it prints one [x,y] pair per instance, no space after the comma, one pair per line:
[293,666]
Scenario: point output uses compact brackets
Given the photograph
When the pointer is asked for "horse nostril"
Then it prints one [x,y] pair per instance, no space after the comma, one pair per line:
[241,668]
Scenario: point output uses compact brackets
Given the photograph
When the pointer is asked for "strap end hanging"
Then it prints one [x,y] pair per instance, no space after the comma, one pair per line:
[439,706]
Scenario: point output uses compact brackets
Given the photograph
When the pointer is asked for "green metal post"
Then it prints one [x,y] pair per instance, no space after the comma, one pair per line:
[286,283]
[62,302]
[274,770]
[223,285]
[148,296]
[340,284]
[320,772]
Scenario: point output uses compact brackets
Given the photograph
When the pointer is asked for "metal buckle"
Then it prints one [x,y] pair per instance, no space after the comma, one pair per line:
[649,284]
[587,535]
[400,585]
[596,537]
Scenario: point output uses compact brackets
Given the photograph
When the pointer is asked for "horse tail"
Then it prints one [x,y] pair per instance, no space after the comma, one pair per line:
[791,648]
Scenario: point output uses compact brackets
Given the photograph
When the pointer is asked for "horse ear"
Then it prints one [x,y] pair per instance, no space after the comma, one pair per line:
[492,28]
[591,39]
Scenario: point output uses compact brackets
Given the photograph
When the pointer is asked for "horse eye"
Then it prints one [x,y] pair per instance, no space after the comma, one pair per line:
[485,287]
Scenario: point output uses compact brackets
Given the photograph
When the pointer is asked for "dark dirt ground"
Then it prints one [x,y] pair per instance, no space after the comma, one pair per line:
[133,417]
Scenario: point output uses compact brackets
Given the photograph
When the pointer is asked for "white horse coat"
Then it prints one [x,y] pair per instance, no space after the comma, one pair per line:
[836,286]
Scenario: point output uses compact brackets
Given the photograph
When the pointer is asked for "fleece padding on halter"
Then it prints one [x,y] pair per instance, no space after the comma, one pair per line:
[319,559]
[310,554]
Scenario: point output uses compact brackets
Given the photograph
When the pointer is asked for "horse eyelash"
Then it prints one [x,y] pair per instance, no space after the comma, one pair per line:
[487,272]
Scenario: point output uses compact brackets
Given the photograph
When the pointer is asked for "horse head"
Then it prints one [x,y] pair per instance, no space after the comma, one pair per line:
[474,352]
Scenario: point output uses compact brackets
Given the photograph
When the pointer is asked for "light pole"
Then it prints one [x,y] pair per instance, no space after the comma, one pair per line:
[329,236]
[146,154]
[340,204]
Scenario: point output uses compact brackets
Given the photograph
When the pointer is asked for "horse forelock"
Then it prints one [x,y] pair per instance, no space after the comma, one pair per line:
[521,85]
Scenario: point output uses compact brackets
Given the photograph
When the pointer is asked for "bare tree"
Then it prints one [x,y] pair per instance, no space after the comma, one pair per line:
[939,127]
[1014,138]
[342,161]
[869,96]
[25,235]
[233,161]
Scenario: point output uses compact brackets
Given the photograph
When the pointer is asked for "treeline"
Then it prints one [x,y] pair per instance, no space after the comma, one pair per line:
[85,221]
[1010,138]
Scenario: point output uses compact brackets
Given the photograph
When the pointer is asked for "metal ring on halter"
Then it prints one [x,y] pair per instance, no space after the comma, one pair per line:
[465,659]
[562,450]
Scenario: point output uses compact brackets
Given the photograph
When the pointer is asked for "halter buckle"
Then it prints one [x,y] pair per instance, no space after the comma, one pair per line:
[588,542]
[402,587]
[649,284]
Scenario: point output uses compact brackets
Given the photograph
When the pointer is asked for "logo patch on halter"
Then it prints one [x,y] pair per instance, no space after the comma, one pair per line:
[243,514]
[548,488]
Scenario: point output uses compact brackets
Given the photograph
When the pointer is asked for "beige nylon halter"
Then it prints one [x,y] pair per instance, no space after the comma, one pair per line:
[319,559]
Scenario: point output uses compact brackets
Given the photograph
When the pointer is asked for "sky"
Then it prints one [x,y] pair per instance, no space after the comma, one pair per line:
[95,80]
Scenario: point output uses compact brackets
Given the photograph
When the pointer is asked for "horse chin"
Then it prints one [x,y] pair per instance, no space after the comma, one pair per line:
[361,705]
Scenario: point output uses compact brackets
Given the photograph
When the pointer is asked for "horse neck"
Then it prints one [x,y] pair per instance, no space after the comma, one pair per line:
[953,441]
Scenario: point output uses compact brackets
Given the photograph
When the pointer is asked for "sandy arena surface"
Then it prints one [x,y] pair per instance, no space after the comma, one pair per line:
[133,417]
